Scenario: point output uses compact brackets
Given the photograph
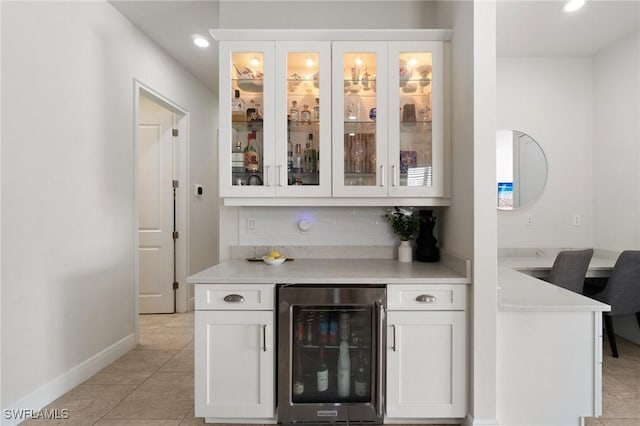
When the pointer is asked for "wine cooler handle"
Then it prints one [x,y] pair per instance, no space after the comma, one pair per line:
[234,298]
[382,175]
[393,346]
[426,298]
[264,337]
[381,352]
[393,175]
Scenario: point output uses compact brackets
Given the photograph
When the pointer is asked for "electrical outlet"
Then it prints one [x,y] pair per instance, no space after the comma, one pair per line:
[577,220]
[529,220]
[251,225]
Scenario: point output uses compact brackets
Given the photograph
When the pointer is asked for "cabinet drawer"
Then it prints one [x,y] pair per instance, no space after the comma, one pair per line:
[234,297]
[426,297]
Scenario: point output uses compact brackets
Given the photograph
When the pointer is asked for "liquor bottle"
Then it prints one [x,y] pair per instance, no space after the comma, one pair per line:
[322,373]
[344,326]
[361,380]
[237,158]
[305,115]
[344,370]
[316,110]
[323,329]
[297,159]
[311,156]
[298,377]
[289,156]
[237,107]
[310,326]
[251,159]
[294,112]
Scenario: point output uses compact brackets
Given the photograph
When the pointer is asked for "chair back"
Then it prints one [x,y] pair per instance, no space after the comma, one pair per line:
[623,286]
[570,268]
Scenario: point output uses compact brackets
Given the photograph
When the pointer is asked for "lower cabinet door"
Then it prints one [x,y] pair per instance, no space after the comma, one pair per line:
[234,364]
[426,367]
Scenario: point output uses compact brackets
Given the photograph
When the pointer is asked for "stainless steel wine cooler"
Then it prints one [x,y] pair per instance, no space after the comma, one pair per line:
[331,359]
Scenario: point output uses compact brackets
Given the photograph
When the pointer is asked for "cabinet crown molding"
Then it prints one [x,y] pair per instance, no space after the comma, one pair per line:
[332,34]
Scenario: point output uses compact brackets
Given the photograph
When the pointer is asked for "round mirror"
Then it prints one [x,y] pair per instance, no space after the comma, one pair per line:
[521,169]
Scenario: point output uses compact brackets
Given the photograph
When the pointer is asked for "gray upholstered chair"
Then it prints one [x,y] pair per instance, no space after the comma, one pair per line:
[570,268]
[622,292]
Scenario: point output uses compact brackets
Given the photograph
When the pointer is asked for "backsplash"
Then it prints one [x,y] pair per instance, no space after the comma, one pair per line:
[327,226]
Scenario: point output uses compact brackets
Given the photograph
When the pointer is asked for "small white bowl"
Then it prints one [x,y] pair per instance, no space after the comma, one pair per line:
[270,261]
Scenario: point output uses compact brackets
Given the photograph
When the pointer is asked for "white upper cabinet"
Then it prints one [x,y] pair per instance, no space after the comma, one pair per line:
[332,121]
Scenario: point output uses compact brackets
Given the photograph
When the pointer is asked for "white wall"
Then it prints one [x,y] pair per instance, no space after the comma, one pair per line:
[616,159]
[68,199]
[551,99]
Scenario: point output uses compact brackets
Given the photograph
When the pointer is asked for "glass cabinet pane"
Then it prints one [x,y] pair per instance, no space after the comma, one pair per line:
[415,95]
[332,353]
[360,118]
[303,118]
[246,115]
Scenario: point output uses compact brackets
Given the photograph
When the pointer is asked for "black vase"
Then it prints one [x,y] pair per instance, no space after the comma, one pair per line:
[426,250]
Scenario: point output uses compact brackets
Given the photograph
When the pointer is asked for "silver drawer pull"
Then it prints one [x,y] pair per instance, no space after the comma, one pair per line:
[234,298]
[426,298]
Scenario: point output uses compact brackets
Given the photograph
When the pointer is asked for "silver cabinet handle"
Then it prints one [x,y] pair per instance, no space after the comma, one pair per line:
[266,175]
[382,175]
[426,298]
[393,175]
[381,360]
[393,345]
[264,337]
[279,181]
[234,298]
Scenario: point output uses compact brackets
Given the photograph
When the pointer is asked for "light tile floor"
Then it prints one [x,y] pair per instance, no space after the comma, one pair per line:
[152,385]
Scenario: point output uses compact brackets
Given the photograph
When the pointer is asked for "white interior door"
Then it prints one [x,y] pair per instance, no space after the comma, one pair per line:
[156,171]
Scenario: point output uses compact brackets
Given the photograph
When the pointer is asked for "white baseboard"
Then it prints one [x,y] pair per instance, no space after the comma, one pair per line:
[470,421]
[62,384]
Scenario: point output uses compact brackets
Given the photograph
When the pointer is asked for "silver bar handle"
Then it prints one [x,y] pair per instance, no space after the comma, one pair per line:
[393,175]
[426,298]
[393,345]
[234,298]
[264,337]
[382,175]
[381,352]
[279,181]
[266,175]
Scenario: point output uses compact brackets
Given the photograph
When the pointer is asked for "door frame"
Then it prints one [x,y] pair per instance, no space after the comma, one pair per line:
[182,204]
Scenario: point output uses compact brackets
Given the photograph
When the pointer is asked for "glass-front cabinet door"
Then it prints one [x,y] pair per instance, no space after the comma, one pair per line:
[303,127]
[360,117]
[416,120]
[247,118]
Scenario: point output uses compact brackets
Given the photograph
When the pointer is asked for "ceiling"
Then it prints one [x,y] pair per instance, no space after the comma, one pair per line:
[524,28]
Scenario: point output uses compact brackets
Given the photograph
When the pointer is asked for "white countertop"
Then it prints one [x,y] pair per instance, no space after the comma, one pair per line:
[598,267]
[330,271]
[518,291]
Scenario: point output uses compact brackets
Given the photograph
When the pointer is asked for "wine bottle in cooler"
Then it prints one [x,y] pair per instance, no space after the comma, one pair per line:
[298,378]
[322,373]
[361,380]
[344,370]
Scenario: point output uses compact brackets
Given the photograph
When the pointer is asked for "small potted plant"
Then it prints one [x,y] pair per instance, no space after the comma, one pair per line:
[405,224]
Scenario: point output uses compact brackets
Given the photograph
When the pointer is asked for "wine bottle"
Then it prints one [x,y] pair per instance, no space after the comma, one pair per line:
[322,373]
[344,370]
[361,380]
[298,378]
[251,158]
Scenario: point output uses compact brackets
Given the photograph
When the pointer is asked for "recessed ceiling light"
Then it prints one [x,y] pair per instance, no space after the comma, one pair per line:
[573,5]
[200,41]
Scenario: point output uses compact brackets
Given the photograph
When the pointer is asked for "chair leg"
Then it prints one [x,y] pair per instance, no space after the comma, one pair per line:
[608,325]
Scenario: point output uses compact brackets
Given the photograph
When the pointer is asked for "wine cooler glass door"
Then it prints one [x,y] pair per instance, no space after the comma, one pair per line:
[332,363]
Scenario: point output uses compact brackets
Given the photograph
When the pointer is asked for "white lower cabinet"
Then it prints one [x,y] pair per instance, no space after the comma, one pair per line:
[234,365]
[426,360]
